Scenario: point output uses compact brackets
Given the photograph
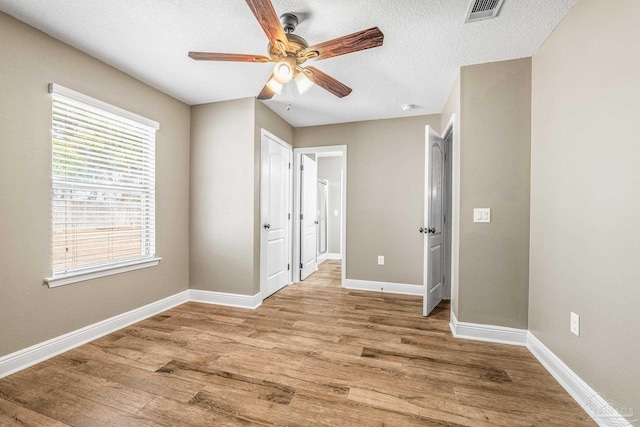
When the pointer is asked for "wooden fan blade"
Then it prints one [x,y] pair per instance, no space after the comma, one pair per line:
[210,56]
[365,39]
[327,82]
[266,93]
[269,21]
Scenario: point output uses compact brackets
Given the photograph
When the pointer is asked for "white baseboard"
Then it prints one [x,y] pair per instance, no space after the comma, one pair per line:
[221,298]
[489,333]
[394,288]
[37,353]
[325,256]
[605,413]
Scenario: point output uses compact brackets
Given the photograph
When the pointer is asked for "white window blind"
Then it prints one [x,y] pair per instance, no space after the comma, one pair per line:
[103,185]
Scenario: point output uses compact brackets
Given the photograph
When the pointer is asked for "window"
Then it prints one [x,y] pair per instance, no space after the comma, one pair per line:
[103,189]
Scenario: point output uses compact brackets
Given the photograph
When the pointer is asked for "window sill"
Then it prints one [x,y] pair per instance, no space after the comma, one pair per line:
[80,276]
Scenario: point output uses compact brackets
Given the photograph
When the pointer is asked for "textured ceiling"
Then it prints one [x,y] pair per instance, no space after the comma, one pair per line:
[425,43]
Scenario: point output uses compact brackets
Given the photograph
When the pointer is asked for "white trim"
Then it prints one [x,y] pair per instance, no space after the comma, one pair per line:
[328,255]
[453,157]
[584,395]
[393,288]
[77,96]
[29,356]
[329,154]
[489,333]
[37,353]
[222,298]
[94,273]
[325,256]
[448,149]
[581,392]
[601,410]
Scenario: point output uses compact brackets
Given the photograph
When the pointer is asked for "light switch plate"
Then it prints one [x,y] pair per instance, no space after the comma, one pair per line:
[482,215]
[575,324]
[380,259]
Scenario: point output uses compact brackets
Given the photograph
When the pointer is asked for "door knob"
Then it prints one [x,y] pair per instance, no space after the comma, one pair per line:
[430,231]
[421,230]
[267,226]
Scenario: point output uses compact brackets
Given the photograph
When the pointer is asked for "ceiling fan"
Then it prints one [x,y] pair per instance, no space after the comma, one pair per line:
[289,51]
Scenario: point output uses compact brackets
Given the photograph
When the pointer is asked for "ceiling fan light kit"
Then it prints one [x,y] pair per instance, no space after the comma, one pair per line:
[275,85]
[303,82]
[289,51]
[283,70]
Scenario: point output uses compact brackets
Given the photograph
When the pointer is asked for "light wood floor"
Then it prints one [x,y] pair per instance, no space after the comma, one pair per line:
[313,354]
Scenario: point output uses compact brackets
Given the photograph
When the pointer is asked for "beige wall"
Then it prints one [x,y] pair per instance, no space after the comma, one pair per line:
[385,193]
[225,193]
[30,312]
[330,169]
[495,147]
[585,200]
[222,197]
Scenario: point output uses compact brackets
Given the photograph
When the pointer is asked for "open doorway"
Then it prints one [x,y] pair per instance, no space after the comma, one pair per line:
[319,209]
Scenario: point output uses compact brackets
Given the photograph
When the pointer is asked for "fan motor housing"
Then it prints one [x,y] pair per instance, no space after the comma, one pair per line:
[296,44]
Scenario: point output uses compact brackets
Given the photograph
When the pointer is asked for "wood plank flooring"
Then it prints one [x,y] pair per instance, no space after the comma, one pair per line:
[313,354]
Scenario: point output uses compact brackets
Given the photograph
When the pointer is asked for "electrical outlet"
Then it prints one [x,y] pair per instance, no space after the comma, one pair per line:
[575,324]
[380,260]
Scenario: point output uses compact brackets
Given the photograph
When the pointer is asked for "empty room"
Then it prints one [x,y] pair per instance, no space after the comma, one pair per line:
[338,213]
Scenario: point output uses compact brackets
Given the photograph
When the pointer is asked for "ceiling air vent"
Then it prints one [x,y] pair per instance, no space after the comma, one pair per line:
[483,9]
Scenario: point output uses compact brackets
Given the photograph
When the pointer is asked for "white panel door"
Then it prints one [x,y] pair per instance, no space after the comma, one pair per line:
[309,220]
[275,202]
[434,221]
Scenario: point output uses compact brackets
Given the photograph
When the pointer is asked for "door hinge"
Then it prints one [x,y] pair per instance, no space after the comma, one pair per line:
[301,167]
[289,165]
[288,267]
[301,216]
[288,216]
[300,265]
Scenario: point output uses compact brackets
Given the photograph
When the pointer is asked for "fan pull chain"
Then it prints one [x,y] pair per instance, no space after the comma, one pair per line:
[290,103]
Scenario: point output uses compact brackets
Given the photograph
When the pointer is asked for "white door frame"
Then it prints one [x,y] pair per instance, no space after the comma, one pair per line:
[325,151]
[453,160]
[263,243]
[449,225]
